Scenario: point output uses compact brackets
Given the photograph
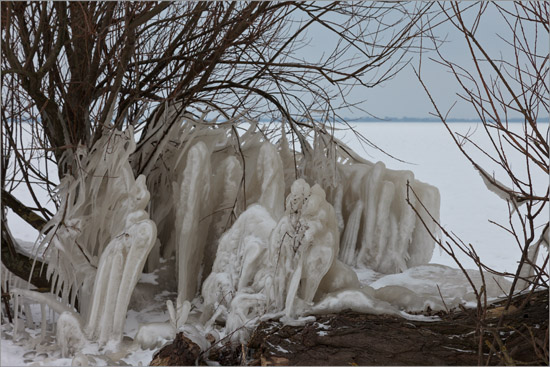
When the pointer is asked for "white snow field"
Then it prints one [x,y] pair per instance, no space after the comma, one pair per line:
[295,249]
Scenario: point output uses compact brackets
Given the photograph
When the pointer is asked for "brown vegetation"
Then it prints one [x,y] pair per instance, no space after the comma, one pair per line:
[351,338]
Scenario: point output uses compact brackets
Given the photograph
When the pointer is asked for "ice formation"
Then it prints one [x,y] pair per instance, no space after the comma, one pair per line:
[247,229]
[225,190]
[193,216]
[527,271]
[426,284]
[241,252]
[150,335]
[271,180]
[97,244]
[268,267]
[118,272]
[302,249]
[359,300]
[69,334]
[381,231]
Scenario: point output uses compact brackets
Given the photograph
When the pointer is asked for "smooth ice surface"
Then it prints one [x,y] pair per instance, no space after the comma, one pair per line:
[421,285]
[359,300]
[271,178]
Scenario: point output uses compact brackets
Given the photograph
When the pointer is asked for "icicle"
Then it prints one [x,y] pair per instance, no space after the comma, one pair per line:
[15,316]
[142,237]
[104,328]
[43,323]
[94,208]
[368,248]
[43,298]
[288,158]
[180,315]
[350,235]
[338,202]
[422,245]
[388,230]
[271,178]
[383,249]
[225,189]
[29,323]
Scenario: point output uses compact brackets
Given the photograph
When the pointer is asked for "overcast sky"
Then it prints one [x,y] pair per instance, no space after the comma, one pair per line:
[404,95]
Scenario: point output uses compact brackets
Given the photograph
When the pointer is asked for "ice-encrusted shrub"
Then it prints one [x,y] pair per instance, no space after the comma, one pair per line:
[249,228]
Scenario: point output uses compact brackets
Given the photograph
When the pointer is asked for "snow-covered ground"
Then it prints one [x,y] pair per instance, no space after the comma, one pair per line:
[466,208]
[17,353]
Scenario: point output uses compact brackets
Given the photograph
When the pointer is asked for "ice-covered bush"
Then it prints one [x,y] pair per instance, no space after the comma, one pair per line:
[247,229]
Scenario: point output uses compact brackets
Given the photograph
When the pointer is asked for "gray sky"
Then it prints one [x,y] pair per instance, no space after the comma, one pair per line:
[404,95]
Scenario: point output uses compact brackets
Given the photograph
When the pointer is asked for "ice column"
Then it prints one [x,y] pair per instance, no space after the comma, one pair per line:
[271,178]
[193,217]
[225,190]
